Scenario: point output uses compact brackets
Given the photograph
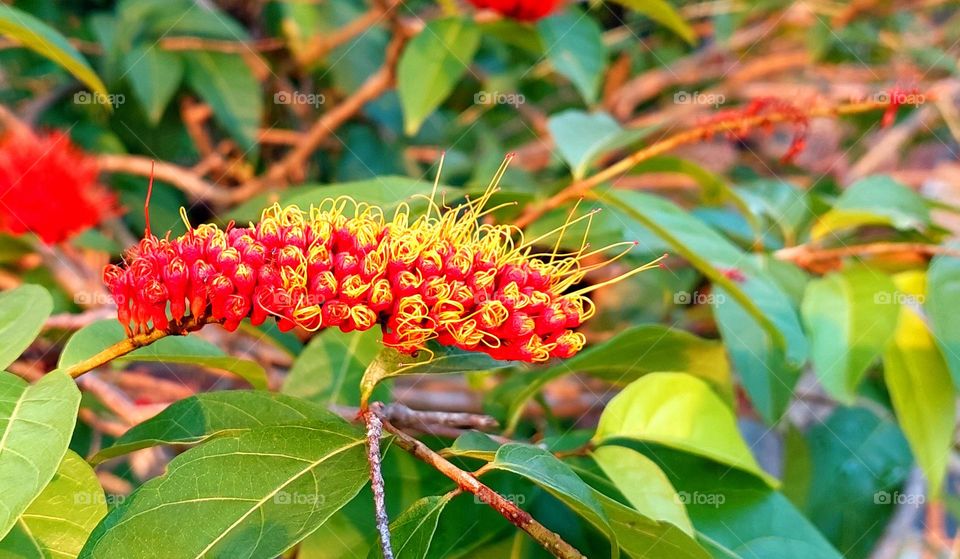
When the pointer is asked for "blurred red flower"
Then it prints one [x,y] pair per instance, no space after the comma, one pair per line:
[49,187]
[523,10]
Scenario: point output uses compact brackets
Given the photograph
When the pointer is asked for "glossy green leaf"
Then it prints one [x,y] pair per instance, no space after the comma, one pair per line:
[545,470]
[785,206]
[199,417]
[573,43]
[60,519]
[49,43]
[920,387]
[860,462]
[943,298]
[714,187]
[23,311]
[622,359]
[226,82]
[154,75]
[265,490]
[752,314]
[431,66]
[644,485]
[411,533]
[190,350]
[664,14]
[434,360]
[679,411]
[36,423]
[643,538]
[736,515]
[876,200]
[849,316]
[582,137]
[329,369]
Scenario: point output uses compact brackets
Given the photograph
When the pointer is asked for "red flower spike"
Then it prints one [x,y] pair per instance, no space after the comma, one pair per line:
[523,10]
[49,168]
[439,277]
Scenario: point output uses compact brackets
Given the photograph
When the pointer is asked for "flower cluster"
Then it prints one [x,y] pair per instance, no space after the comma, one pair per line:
[443,276]
[523,10]
[48,187]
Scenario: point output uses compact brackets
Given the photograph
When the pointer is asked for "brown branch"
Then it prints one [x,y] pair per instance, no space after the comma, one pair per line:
[234,47]
[184,179]
[693,135]
[127,345]
[293,163]
[807,256]
[320,45]
[551,541]
[374,433]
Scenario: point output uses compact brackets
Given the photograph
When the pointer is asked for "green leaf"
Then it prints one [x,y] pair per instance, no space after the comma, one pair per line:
[226,82]
[473,444]
[329,369]
[664,14]
[36,423]
[859,460]
[545,470]
[622,359]
[849,317]
[574,45]
[60,519]
[678,411]
[920,388]
[943,298]
[266,489]
[737,516]
[582,137]
[714,188]
[703,247]
[643,538]
[43,39]
[753,313]
[199,417]
[764,368]
[643,484]
[23,310]
[435,359]
[411,533]
[431,66]
[189,350]
[387,192]
[876,200]
[785,206]
[154,75]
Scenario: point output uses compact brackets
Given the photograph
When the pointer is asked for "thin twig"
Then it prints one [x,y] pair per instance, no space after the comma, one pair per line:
[374,433]
[127,345]
[696,134]
[551,541]
[805,255]
[184,179]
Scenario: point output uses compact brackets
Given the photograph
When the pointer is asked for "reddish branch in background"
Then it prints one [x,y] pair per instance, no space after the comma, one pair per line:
[786,112]
[49,187]
[523,10]
[443,276]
